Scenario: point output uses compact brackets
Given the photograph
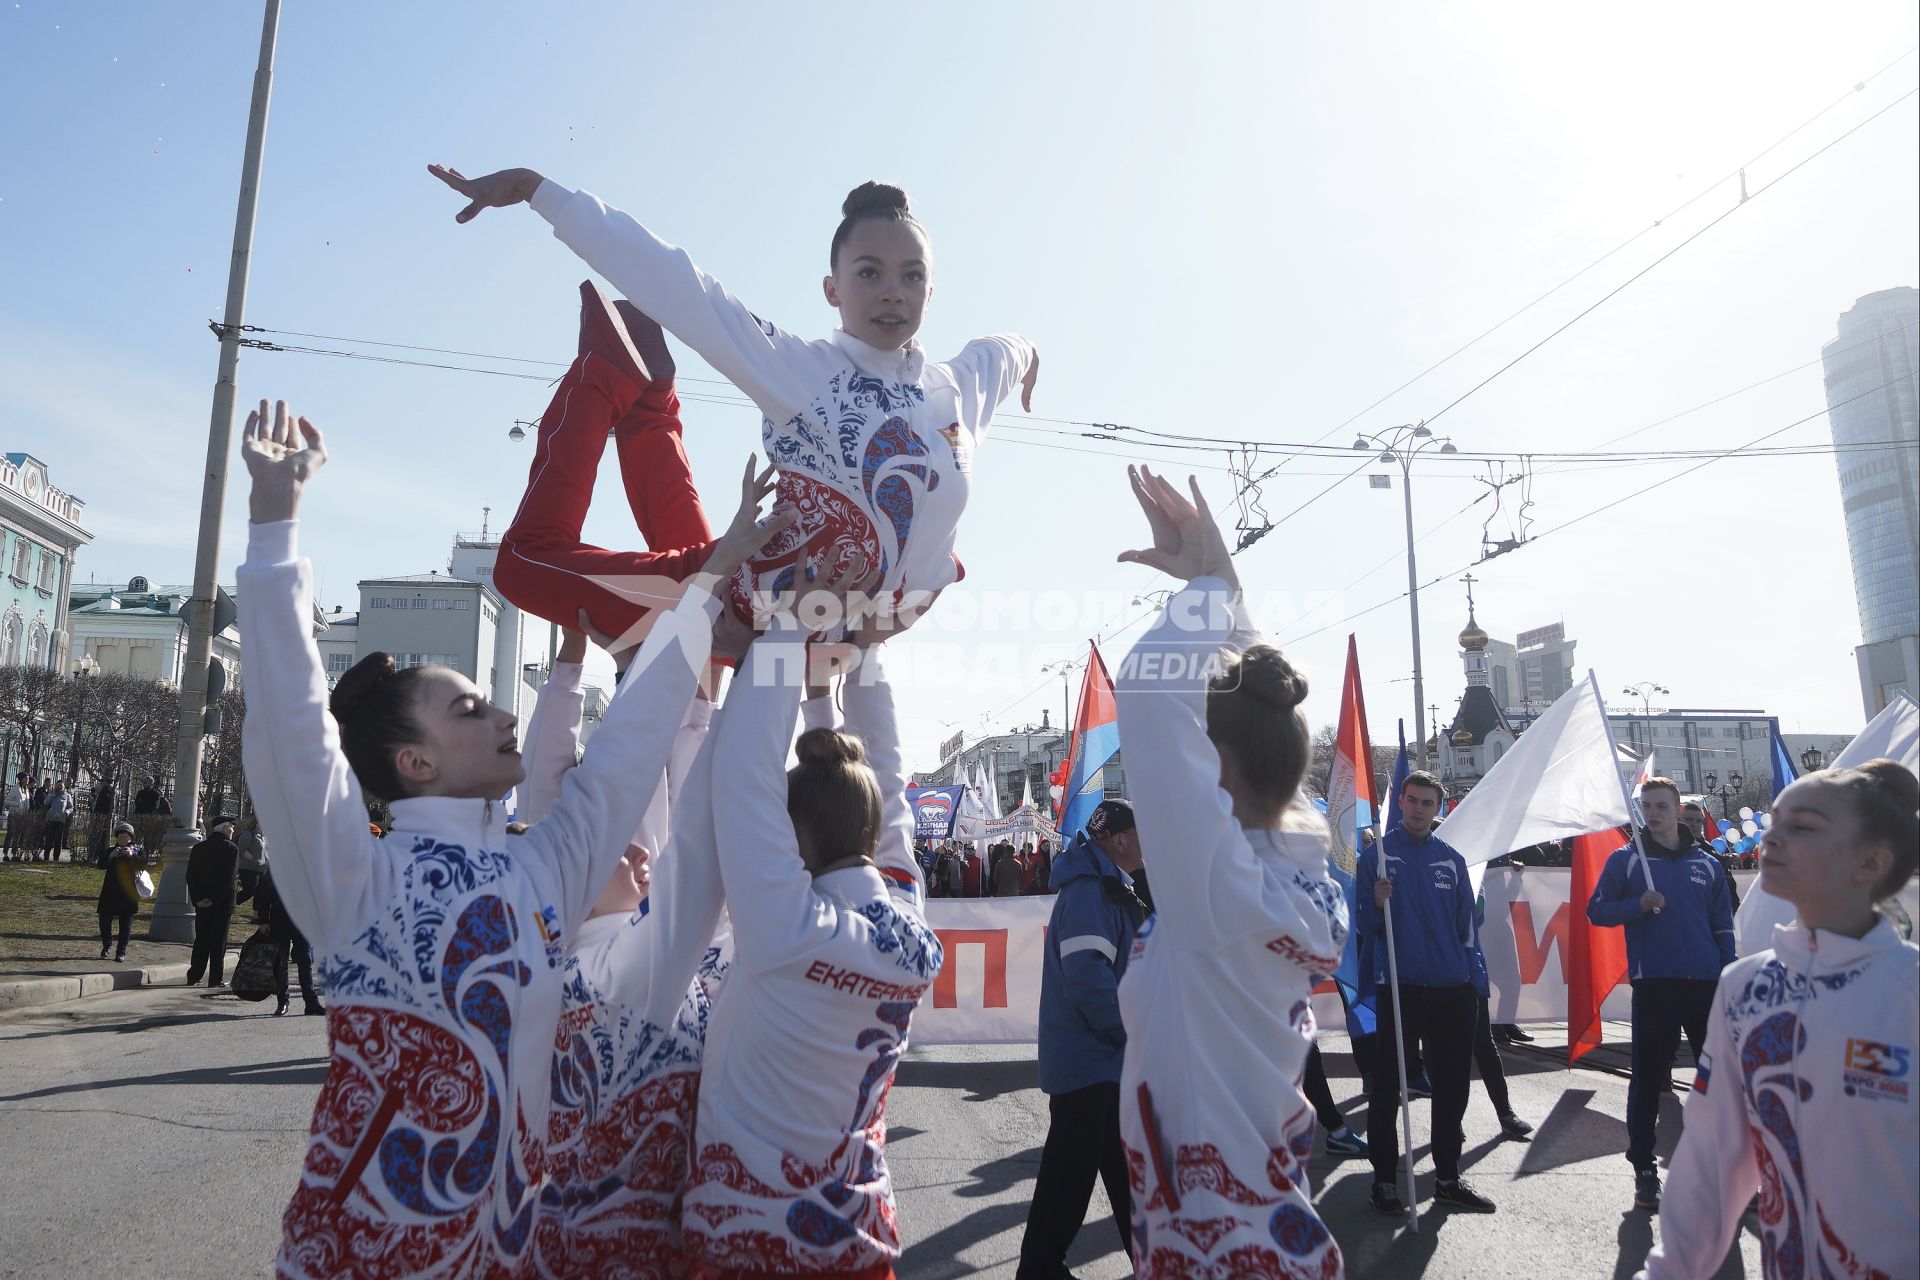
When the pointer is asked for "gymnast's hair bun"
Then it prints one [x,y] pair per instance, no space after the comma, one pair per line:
[828,747]
[361,682]
[874,197]
[1266,675]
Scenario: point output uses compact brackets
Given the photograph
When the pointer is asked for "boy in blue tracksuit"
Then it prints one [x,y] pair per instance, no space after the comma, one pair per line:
[1431,900]
[1679,937]
[1095,915]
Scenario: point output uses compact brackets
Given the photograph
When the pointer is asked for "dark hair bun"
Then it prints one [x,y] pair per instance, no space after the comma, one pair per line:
[869,196]
[829,747]
[361,681]
[1892,784]
[1266,674]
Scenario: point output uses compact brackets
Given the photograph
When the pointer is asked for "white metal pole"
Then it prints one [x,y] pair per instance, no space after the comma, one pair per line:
[1399,1048]
[1613,750]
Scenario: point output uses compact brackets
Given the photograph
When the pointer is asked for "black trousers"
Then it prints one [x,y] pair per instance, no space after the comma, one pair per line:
[294,944]
[210,944]
[106,929]
[1486,1056]
[1320,1093]
[17,833]
[1442,1020]
[56,839]
[1663,1009]
[1083,1140]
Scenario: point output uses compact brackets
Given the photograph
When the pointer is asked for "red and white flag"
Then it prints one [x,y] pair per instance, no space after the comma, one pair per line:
[1561,780]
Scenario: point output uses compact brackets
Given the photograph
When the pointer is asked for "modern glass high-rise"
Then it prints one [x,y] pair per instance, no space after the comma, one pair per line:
[1873,404]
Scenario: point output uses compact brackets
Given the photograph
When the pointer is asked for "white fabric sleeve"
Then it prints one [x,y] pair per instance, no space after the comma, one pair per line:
[870,716]
[552,743]
[818,713]
[770,365]
[605,796]
[329,868]
[1207,881]
[654,960]
[770,898]
[1713,1173]
[986,371]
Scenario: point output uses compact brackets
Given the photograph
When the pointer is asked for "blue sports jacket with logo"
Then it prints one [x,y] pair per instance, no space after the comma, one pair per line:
[1432,905]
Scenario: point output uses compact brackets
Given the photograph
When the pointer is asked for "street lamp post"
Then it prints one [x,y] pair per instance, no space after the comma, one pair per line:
[1403,444]
[1726,793]
[1645,691]
[1812,760]
[172,918]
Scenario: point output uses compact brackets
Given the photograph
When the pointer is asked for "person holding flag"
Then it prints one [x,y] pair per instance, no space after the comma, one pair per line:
[1421,881]
[1677,908]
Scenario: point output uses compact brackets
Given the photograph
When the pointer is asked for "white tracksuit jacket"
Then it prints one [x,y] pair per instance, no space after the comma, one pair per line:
[874,447]
[791,1177]
[636,993]
[1216,998]
[441,948]
[1805,1092]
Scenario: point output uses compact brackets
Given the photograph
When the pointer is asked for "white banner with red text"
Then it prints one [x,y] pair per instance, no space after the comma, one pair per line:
[988,991]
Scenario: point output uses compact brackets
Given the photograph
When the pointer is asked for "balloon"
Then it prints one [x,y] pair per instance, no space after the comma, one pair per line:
[1719,844]
[1764,819]
[1745,812]
[1751,827]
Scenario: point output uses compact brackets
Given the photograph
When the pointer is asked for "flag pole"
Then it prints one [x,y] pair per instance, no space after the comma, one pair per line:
[1399,1042]
[1633,809]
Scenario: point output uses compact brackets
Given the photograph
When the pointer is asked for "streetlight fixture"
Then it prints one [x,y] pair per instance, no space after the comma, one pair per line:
[1812,760]
[516,433]
[1726,793]
[1645,691]
[1402,444]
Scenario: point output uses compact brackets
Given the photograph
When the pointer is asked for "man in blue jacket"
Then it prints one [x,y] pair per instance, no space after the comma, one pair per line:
[1095,914]
[1427,891]
[1679,937]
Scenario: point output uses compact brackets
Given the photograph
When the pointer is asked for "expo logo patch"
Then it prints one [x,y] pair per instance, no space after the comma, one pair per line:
[1876,1070]
[1443,877]
[1700,875]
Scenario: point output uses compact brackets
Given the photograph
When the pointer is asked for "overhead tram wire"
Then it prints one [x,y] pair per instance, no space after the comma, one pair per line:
[1749,198]
[1856,88]
[1678,209]
[1735,452]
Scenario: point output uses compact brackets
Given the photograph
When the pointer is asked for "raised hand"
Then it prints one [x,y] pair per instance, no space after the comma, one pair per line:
[490,191]
[573,645]
[281,454]
[1186,541]
[748,532]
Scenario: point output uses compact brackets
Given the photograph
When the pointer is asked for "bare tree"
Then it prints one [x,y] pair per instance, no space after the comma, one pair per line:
[223,776]
[30,701]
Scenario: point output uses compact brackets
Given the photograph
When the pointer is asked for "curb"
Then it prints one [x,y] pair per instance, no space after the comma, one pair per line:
[23,993]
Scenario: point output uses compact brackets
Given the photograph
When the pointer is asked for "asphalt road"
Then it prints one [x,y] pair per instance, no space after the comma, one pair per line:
[158,1133]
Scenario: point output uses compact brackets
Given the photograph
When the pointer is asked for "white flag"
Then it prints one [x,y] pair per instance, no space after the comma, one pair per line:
[1559,780]
[1893,734]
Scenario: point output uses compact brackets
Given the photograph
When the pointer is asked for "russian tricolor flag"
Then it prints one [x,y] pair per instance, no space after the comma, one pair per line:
[1095,742]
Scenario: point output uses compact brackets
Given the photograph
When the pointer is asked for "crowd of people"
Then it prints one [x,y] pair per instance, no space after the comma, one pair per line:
[1002,869]
[43,820]
[649,1027]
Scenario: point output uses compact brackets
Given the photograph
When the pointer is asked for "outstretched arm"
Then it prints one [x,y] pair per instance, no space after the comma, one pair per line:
[772,366]
[304,790]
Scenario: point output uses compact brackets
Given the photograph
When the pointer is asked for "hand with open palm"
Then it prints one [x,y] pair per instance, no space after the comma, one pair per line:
[281,454]
[1187,543]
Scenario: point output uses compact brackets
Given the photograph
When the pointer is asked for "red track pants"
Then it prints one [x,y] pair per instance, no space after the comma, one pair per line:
[543,566]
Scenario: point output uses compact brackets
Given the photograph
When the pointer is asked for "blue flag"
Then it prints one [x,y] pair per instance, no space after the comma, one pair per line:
[1783,770]
[1401,768]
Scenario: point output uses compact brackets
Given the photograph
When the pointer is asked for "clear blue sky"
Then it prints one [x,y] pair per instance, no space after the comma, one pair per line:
[1248,220]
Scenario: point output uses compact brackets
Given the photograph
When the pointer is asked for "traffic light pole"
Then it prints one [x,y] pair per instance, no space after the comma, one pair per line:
[172,916]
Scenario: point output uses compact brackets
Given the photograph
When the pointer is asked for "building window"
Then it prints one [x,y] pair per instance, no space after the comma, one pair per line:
[22,558]
[339,663]
[47,563]
[443,605]
[376,602]
[464,606]
[419,602]
[37,644]
[10,640]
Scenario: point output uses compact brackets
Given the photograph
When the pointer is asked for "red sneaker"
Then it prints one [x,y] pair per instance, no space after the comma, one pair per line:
[646,336]
[602,334]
